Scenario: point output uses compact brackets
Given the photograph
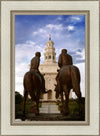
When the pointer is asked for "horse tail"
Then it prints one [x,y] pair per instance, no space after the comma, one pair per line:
[75,76]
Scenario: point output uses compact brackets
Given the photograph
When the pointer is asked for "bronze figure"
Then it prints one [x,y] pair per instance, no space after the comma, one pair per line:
[32,86]
[35,62]
[64,59]
[34,83]
[68,78]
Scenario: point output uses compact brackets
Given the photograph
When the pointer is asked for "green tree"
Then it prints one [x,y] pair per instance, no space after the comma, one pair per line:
[18,98]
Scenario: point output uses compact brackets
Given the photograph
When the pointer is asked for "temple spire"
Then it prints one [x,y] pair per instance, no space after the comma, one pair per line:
[50,37]
[50,55]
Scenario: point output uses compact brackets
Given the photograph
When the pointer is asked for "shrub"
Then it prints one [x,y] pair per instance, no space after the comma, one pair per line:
[18,98]
[73,106]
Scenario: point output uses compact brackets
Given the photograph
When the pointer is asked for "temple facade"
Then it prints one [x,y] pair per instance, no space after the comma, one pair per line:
[49,68]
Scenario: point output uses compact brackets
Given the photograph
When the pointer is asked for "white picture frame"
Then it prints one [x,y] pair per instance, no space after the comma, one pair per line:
[8,128]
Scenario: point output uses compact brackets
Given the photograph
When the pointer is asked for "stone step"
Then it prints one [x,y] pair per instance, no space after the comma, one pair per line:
[49,108]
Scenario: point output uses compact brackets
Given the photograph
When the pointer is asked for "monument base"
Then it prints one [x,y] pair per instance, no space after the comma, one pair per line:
[49,107]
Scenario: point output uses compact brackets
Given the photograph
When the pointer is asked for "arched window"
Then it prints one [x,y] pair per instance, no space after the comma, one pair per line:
[49,56]
[50,94]
[53,57]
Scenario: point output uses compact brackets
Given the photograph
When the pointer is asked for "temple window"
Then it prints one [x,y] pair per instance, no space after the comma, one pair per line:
[53,57]
[49,57]
[46,57]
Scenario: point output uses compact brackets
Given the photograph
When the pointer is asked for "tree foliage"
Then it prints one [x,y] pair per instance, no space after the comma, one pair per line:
[18,98]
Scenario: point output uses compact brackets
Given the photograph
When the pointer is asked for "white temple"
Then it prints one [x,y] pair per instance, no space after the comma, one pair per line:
[49,68]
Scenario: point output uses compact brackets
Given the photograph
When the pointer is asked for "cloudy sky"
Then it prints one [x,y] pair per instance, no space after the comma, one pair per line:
[32,33]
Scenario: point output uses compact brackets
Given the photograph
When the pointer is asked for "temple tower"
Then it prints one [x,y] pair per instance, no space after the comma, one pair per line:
[49,68]
[50,55]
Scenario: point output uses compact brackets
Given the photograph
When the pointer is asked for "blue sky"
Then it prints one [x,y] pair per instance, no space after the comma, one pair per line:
[32,33]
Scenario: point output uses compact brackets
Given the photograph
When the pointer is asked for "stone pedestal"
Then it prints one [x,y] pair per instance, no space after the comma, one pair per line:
[49,108]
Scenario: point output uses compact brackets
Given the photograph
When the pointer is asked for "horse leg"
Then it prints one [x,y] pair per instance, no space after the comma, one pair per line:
[65,107]
[66,103]
[78,94]
[37,104]
[62,100]
[25,97]
[37,108]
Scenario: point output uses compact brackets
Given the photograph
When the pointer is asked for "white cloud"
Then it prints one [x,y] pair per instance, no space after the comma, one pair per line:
[42,32]
[49,29]
[35,32]
[24,52]
[59,18]
[23,55]
[75,18]
[59,32]
[58,52]
[30,42]
[70,28]
[20,69]
[82,55]
[56,27]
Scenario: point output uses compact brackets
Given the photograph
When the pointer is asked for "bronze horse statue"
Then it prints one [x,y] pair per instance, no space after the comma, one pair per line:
[69,78]
[32,86]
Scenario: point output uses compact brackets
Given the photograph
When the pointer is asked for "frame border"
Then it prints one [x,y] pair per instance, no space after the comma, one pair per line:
[99,56]
[87,66]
